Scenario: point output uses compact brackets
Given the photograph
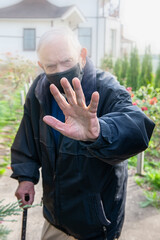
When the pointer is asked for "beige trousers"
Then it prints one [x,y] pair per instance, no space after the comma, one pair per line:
[49,232]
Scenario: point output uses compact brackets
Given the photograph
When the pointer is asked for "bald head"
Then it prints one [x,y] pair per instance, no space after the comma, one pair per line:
[59,49]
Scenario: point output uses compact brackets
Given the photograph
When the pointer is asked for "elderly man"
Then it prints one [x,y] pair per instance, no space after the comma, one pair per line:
[80,132]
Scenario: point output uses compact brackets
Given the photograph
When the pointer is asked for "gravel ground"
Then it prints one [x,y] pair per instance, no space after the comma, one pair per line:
[140,223]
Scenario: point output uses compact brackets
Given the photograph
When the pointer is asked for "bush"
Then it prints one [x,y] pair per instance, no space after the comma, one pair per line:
[107,64]
[133,70]
[148,99]
[15,72]
[5,211]
[146,76]
[157,78]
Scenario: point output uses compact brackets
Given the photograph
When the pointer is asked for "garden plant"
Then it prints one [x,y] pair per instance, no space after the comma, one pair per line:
[14,73]
[136,74]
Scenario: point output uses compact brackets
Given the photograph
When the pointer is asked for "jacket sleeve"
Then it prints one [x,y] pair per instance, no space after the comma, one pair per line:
[25,157]
[124,130]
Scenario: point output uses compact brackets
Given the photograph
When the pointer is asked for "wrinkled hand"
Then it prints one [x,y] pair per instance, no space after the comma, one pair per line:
[25,188]
[81,122]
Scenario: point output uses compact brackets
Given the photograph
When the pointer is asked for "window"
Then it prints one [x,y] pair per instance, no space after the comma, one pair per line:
[113,42]
[29,39]
[85,38]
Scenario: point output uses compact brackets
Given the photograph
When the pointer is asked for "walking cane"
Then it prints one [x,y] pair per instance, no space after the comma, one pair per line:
[24,220]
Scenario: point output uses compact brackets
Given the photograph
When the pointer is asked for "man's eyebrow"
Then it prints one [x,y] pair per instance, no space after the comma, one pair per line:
[50,65]
[67,59]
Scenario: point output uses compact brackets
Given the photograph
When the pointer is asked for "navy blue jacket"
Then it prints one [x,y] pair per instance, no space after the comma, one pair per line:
[84,183]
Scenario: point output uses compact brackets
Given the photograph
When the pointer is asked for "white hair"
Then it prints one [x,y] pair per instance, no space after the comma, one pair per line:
[59,31]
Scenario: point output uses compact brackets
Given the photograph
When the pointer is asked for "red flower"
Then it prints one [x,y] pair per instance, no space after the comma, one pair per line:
[136,102]
[129,89]
[144,108]
[153,101]
[132,95]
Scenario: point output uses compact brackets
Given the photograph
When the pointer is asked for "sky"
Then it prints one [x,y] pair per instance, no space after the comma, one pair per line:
[141,19]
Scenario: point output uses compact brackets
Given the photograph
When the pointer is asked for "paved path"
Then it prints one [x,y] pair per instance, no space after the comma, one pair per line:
[140,223]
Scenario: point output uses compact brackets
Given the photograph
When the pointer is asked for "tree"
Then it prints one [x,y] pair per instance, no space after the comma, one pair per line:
[157,78]
[107,63]
[118,70]
[133,69]
[146,76]
[124,69]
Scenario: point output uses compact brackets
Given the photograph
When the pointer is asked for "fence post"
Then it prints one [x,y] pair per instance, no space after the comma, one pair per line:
[26,88]
[22,97]
[30,81]
[24,92]
[140,163]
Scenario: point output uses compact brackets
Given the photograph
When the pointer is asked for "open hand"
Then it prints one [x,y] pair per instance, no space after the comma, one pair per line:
[81,122]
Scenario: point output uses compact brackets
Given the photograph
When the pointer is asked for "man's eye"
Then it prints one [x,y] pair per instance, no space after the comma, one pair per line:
[67,62]
[51,67]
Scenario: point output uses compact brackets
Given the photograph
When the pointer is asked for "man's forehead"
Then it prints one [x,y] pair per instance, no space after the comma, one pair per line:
[58,40]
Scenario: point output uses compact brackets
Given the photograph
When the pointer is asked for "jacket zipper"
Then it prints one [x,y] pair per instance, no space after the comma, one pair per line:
[108,222]
[105,232]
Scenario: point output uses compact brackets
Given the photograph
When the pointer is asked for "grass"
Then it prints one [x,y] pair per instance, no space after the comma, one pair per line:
[150,181]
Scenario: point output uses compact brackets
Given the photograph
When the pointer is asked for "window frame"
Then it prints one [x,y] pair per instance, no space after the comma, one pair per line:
[24,47]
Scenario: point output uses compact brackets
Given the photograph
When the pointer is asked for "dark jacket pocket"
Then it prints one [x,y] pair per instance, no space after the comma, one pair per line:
[97,205]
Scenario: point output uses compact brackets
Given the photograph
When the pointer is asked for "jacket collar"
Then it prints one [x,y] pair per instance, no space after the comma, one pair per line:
[89,80]
[44,96]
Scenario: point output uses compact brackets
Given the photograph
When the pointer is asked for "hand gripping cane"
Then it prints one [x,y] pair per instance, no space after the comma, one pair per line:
[24,220]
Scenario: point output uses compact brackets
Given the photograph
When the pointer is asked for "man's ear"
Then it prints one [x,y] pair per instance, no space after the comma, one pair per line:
[41,66]
[83,56]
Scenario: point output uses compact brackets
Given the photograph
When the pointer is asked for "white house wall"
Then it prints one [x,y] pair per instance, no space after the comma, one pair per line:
[101,28]
[115,25]
[11,35]
[89,10]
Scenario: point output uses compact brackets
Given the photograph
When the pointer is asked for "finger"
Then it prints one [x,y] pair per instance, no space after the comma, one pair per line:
[69,92]
[54,123]
[27,201]
[79,92]
[31,199]
[19,198]
[94,103]
[60,99]
[22,200]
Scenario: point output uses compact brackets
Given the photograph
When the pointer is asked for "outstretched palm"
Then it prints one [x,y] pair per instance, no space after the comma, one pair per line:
[81,122]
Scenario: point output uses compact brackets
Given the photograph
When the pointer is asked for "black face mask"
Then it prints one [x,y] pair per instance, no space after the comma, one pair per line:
[69,74]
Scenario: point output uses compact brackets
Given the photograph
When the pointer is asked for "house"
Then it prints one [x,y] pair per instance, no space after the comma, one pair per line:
[22,24]
[96,23]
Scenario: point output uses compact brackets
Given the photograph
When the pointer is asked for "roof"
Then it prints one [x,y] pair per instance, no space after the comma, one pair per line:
[125,40]
[33,9]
